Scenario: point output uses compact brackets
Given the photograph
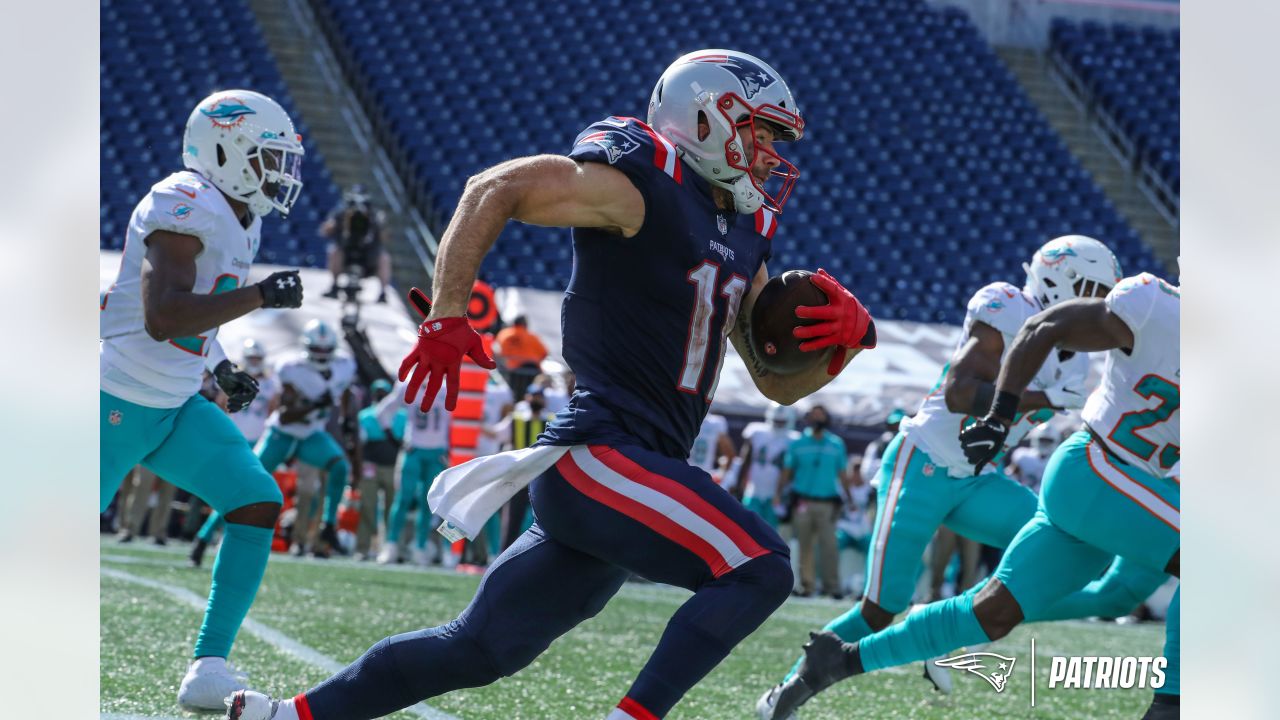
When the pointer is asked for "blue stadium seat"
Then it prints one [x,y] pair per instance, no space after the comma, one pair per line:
[1133,73]
[926,174]
[158,59]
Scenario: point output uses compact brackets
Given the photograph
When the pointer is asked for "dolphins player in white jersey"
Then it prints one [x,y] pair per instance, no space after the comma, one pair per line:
[251,421]
[763,445]
[925,481]
[712,449]
[184,272]
[1108,490]
[425,455]
[312,385]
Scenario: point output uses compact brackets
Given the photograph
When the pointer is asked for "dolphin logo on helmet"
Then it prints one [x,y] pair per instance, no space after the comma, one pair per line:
[228,112]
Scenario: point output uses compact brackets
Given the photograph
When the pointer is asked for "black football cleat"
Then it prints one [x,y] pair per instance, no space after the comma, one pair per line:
[825,663]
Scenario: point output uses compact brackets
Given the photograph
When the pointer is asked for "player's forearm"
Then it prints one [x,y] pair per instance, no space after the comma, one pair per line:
[787,389]
[486,205]
[178,313]
[1027,354]
[973,396]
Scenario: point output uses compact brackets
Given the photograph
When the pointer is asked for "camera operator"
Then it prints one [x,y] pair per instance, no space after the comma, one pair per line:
[357,232]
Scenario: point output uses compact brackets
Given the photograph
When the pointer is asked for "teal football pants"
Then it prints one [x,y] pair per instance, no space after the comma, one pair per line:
[197,448]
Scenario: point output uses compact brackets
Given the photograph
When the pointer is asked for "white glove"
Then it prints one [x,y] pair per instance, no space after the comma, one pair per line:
[1066,397]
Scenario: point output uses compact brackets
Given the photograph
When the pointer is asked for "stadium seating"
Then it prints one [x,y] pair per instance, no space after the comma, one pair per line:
[159,59]
[926,171]
[1132,74]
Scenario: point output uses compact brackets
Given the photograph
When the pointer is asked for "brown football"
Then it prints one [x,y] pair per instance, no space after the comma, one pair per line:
[774,317]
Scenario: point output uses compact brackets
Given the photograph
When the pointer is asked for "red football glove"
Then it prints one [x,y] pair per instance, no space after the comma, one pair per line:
[847,324]
[442,343]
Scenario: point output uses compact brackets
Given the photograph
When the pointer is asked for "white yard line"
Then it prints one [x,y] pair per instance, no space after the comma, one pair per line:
[268,634]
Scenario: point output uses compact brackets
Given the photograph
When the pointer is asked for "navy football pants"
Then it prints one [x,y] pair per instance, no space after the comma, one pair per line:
[602,513]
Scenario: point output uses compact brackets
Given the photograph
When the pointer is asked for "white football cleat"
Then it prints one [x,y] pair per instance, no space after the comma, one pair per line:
[421,557]
[767,702]
[938,675]
[208,682]
[389,555]
[250,705]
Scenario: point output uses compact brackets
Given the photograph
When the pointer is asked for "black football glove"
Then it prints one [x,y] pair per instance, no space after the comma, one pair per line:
[983,440]
[239,385]
[281,290]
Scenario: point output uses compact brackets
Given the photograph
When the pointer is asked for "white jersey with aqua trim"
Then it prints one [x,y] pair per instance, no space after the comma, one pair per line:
[302,376]
[165,374]
[1135,408]
[768,444]
[706,446]
[497,395]
[936,430]
[424,430]
[253,420]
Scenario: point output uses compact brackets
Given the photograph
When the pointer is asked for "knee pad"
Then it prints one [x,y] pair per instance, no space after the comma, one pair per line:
[771,573]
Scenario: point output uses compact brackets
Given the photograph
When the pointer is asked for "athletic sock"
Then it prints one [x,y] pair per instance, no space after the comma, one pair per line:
[237,572]
[336,483]
[210,527]
[936,629]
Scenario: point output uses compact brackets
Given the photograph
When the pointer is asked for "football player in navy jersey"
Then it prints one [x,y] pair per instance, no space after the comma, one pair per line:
[672,224]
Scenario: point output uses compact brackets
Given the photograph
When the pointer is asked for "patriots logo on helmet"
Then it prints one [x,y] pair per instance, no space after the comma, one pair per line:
[228,112]
[993,668]
[615,143]
[753,77]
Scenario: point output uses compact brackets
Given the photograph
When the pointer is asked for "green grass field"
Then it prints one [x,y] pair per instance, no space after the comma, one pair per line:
[337,609]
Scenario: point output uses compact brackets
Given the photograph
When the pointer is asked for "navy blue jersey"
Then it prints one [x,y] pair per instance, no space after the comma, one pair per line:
[645,319]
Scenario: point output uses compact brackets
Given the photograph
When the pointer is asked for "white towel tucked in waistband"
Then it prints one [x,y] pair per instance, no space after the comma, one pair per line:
[467,495]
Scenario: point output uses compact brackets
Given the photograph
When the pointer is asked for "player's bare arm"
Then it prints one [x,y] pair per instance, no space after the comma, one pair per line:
[784,389]
[970,383]
[1083,325]
[547,190]
[169,274]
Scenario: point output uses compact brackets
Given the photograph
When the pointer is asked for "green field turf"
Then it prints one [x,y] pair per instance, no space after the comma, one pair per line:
[339,608]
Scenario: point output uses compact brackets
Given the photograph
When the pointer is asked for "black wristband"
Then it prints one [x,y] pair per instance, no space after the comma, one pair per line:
[982,398]
[1006,405]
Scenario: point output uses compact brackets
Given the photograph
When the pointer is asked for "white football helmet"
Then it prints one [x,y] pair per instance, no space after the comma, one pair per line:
[318,344]
[779,415]
[1070,267]
[729,90]
[254,357]
[229,133]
